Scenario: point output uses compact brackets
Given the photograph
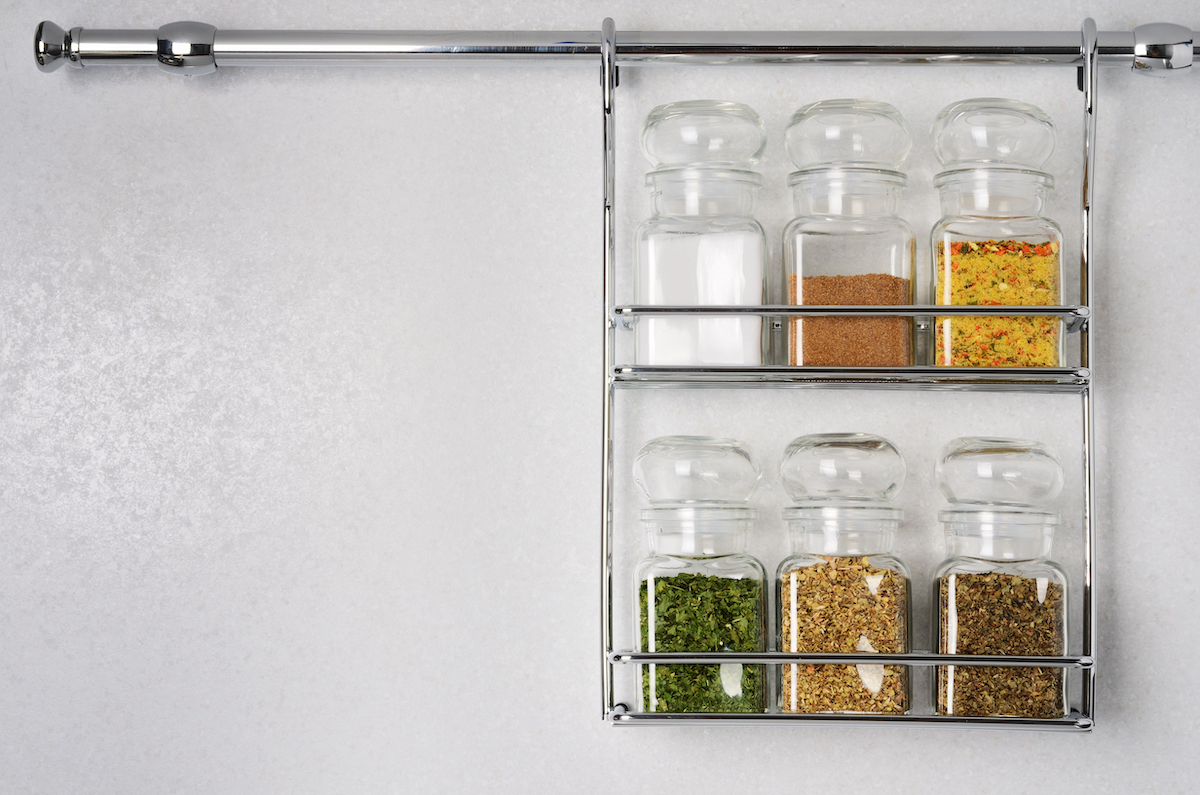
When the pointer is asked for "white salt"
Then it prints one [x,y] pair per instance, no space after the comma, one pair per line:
[696,270]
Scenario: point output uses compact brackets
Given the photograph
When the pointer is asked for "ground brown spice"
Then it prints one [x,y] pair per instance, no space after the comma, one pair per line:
[831,607]
[1000,614]
[851,341]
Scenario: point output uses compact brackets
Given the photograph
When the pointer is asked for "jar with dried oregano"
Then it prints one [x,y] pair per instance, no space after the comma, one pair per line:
[699,591]
[998,593]
[847,245]
[993,247]
[842,591]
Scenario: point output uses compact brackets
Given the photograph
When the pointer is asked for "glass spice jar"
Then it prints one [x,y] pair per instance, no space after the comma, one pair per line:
[842,591]
[699,591]
[847,245]
[702,246]
[992,245]
[998,592]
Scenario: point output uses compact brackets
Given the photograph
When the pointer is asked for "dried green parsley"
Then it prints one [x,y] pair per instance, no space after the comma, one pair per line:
[702,613]
[1001,614]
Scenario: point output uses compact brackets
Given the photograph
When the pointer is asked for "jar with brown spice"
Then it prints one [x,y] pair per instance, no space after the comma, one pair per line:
[999,593]
[842,591]
[847,245]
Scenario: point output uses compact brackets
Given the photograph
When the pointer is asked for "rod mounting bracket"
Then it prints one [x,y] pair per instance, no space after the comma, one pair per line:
[1161,49]
[187,48]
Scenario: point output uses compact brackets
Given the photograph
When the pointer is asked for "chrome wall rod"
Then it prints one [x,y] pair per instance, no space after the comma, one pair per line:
[198,48]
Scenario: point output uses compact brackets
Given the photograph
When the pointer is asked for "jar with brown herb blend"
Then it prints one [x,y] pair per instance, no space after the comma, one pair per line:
[998,592]
[699,591]
[842,591]
[993,247]
[702,246]
[847,245]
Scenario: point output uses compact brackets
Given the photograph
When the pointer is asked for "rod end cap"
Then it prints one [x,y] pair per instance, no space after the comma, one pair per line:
[53,47]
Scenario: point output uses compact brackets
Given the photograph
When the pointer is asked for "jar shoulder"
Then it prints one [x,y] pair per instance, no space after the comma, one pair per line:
[971,227]
[725,224]
[841,225]
[1030,569]
[737,566]
[803,560]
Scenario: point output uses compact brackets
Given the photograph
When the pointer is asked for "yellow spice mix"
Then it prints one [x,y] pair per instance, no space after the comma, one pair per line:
[998,273]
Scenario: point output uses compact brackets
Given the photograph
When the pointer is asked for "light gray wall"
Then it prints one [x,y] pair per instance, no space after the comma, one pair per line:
[299,414]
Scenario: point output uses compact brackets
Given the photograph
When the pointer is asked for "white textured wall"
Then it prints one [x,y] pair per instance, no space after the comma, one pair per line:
[299,412]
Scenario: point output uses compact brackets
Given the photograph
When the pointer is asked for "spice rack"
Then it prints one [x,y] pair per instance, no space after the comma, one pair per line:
[192,48]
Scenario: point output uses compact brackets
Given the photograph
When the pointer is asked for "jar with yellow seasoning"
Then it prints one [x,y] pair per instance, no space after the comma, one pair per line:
[993,247]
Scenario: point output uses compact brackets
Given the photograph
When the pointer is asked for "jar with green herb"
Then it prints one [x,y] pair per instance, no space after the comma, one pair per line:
[842,591]
[998,592]
[699,592]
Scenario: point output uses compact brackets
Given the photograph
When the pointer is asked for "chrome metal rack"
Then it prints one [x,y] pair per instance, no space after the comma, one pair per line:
[192,48]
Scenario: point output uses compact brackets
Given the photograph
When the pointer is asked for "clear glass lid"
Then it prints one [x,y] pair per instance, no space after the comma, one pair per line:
[993,131]
[844,467]
[695,469]
[703,132]
[1005,472]
[848,132]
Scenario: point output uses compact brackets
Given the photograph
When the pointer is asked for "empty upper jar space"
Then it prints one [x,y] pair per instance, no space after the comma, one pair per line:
[703,132]
[695,469]
[854,467]
[991,131]
[1005,472]
[848,132]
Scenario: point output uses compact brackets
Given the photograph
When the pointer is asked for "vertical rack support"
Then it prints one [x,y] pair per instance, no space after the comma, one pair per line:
[1088,84]
[608,83]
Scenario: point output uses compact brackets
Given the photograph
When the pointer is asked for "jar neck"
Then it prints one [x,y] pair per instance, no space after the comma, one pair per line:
[847,193]
[697,531]
[700,193]
[1008,535]
[842,531]
[993,192]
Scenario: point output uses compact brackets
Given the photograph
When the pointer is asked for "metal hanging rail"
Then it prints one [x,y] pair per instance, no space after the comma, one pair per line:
[197,48]
[193,48]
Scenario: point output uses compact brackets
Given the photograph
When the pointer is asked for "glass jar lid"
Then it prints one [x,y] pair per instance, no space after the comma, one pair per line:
[1007,472]
[695,469]
[703,132]
[843,467]
[993,131]
[848,132]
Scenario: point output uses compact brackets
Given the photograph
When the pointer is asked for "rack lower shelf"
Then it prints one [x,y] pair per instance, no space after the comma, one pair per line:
[1074,722]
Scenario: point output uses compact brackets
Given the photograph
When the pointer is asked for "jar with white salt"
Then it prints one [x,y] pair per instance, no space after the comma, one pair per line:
[702,246]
